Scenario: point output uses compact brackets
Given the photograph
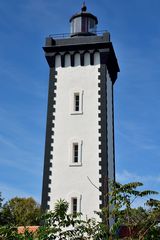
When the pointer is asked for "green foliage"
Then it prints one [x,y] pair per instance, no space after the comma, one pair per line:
[1,200]
[140,222]
[8,233]
[136,215]
[60,225]
[20,211]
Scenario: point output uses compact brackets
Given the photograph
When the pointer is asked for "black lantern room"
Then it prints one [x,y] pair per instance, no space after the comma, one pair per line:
[83,23]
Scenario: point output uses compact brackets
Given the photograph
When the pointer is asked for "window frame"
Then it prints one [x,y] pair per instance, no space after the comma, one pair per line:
[74,93]
[76,102]
[78,143]
[76,195]
[73,211]
[75,152]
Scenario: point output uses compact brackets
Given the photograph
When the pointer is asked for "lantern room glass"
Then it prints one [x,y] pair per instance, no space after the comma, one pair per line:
[83,24]
[76,25]
[92,27]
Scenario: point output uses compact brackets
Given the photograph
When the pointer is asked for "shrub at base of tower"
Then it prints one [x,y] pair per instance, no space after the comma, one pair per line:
[140,223]
[61,225]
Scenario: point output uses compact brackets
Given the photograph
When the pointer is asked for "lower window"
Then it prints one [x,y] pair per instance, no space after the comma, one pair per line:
[75,202]
[74,205]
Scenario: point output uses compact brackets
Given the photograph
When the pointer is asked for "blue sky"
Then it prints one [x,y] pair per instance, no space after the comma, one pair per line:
[135,33]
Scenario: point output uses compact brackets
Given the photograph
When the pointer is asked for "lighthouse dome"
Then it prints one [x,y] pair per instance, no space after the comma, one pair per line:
[83,23]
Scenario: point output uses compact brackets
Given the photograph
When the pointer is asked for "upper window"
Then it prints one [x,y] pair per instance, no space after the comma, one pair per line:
[77,102]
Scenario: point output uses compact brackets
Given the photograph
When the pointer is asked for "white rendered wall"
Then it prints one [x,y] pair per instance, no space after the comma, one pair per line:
[110,129]
[72,181]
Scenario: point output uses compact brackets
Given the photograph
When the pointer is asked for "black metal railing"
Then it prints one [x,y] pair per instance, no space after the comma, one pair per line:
[67,35]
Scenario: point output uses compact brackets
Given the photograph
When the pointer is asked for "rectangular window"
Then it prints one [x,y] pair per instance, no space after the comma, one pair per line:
[74,205]
[76,102]
[75,152]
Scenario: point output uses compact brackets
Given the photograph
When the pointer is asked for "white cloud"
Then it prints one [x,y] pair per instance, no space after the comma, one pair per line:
[140,136]
[7,142]
[19,158]
[126,176]
[148,180]
[9,192]
[15,74]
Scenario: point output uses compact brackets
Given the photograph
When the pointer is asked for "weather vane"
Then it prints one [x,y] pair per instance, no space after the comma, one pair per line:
[84,8]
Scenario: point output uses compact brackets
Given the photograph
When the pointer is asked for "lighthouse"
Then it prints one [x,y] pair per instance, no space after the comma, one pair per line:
[79,157]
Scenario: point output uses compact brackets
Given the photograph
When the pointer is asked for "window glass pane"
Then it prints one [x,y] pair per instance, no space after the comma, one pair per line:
[74,205]
[76,102]
[92,25]
[72,27]
[75,152]
[76,25]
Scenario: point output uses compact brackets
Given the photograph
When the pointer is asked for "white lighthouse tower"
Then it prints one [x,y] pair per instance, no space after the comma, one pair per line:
[79,149]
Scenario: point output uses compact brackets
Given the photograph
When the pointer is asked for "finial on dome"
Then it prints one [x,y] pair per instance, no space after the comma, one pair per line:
[84,8]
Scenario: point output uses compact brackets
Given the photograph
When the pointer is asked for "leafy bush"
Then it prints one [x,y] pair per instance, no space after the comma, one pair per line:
[20,211]
[142,224]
